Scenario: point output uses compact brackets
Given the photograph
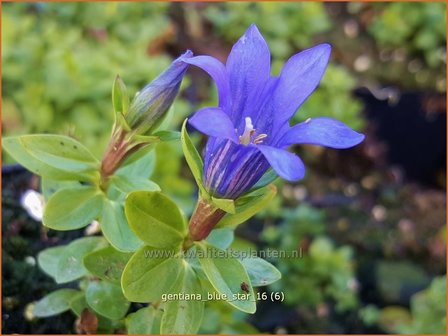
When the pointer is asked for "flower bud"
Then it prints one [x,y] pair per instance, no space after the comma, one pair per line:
[151,104]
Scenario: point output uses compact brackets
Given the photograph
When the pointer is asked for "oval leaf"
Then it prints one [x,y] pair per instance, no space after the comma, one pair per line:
[127,185]
[48,260]
[150,273]
[184,316]
[261,273]
[107,264]
[72,208]
[145,321]
[221,238]
[116,229]
[70,266]
[54,303]
[53,156]
[107,299]
[155,219]
[49,186]
[227,274]
[140,163]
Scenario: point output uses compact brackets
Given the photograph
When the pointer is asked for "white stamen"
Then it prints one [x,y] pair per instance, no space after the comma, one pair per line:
[307,121]
[248,131]
[259,138]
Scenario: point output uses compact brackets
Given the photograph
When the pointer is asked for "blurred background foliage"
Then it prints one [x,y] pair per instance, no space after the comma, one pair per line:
[369,230]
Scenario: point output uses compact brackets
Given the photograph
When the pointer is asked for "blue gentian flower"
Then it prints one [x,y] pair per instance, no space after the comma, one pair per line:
[249,131]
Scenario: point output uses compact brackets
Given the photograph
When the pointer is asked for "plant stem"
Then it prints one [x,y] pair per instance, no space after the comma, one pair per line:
[115,153]
[204,219]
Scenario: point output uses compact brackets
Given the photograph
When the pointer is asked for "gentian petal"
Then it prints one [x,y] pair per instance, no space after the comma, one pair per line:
[214,122]
[248,67]
[217,71]
[299,77]
[288,165]
[322,131]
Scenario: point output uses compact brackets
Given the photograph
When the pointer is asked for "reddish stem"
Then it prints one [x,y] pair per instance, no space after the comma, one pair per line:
[115,153]
[204,219]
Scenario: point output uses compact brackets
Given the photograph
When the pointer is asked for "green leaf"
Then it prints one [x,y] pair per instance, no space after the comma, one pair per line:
[73,208]
[78,303]
[193,159]
[120,96]
[227,205]
[150,273]
[48,259]
[53,156]
[167,135]
[49,186]
[54,303]
[155,219]
[226,274]
[184,316]
[122,122]
[128,184]
[141,163]
[107,299]
[261,273]
[70,266]
[145,321]
[116,229]
[221,238]
[107,264]
[248,207]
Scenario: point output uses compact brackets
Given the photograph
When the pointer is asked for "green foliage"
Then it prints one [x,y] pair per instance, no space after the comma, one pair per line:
[393,277]
[107,299]
[126,184]
[72,208]
[70,265]
[107,264]
[184,316]
[66,53]
[226,274]
[221,238]
[294,23]
[120,97]
[193,159]
[322,272]
[150,273]
[417,27]
[115,228]
[427,312]
[53,156]
[155,219]
[64,263]
[144,321]
[261,273]
[247,206]
[54,303]
[428,309]
[221,318]
[228,205]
